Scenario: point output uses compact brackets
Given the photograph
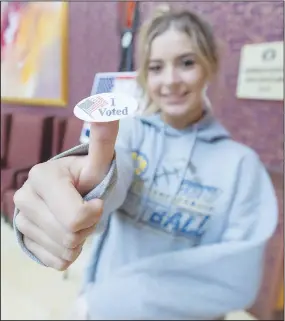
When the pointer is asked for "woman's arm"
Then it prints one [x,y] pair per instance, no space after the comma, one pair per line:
[112,189]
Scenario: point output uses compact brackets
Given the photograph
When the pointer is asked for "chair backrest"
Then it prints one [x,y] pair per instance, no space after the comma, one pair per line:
[59,125]
[5,133]
[72,133]
[30,140]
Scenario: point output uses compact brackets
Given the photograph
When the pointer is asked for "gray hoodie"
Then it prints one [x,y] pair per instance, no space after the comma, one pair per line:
[186,220]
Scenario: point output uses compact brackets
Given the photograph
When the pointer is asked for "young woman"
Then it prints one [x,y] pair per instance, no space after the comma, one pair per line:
[181,212]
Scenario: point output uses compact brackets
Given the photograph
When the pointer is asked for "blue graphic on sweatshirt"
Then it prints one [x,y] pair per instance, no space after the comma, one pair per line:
[183,216]
[195,190]
[152,203]
[166,174]
[180,223]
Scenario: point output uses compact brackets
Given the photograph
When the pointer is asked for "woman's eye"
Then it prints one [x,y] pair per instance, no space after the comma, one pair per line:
[188,62]
[154,68]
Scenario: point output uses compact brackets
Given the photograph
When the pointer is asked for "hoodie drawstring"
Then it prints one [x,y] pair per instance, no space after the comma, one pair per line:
[183,173]
[158,158]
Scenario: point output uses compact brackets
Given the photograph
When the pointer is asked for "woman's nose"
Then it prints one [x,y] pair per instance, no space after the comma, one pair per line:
[170,77]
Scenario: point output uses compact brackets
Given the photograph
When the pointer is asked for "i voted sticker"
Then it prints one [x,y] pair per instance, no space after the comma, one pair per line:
[106,107]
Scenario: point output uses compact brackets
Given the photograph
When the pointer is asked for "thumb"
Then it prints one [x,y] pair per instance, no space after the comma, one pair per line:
[101,152]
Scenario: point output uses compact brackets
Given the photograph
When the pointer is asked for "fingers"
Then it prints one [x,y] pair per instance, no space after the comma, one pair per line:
[82,225]
[38,236]
[55,187]
[54,219]
[38,213]
[60,198]
[88,216]
[73,213]
[46,257]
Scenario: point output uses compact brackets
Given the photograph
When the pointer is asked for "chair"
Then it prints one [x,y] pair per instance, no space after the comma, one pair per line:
[58,134]
[58,142]
[72,133]
[5,134]
[66,134]
[58,129]
[29,144]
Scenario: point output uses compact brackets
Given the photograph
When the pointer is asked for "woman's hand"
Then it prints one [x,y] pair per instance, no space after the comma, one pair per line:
[54,218]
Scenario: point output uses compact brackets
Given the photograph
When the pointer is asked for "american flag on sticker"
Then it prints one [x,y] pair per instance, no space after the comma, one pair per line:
[91,104]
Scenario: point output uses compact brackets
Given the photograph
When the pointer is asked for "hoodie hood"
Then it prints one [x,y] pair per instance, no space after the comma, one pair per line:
[208,128]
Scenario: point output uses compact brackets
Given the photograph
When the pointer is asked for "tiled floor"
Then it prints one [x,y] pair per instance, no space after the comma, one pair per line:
[29,291]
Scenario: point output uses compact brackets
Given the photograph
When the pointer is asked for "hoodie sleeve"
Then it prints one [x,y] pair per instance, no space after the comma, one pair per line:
[113,189]
[204,282]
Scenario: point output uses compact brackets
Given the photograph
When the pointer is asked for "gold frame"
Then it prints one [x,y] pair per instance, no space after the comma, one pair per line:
[63,101]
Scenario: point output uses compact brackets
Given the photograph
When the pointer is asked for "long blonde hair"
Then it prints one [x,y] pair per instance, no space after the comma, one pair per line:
[199,31]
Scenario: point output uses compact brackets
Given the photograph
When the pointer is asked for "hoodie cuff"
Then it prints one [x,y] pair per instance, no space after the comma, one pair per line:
[100,191]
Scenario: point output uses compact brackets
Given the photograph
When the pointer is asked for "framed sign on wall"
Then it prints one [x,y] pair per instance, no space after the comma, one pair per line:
[261,74]
[34,52]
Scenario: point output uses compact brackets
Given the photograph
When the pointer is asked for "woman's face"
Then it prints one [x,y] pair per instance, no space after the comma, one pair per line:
[175,78]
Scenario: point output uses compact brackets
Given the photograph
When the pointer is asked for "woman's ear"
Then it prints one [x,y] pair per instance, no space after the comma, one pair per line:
[205,96]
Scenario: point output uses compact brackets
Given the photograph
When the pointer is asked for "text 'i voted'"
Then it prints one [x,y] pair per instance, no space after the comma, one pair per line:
[106,107]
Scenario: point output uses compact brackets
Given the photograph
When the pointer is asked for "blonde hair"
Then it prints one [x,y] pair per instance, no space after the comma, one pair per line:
[198,30]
